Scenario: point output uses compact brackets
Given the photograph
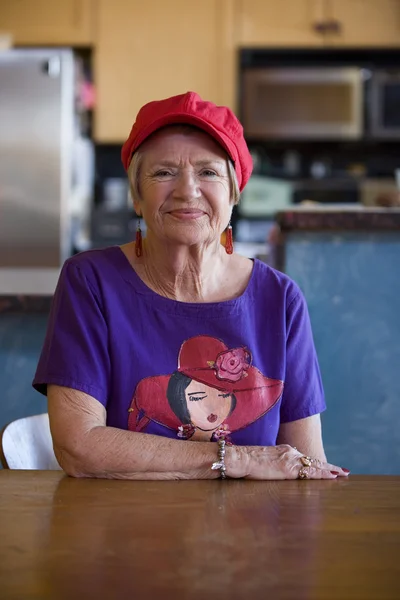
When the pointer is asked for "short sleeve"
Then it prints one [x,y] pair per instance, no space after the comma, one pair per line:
[75,352]
[303,393]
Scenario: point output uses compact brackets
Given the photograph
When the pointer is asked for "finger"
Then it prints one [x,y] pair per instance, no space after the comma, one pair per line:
[329,467]
[315,473]
[324,465]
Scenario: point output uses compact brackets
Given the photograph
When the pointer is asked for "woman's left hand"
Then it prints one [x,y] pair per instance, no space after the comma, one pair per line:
[277,462]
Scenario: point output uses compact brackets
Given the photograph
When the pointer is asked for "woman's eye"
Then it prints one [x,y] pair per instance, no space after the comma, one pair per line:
[209,173]
[224,395]
[196,398]
[163,173]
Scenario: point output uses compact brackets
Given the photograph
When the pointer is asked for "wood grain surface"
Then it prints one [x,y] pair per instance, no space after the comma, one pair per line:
[63,538]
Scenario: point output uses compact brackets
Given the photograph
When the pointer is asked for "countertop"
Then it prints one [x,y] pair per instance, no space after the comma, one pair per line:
[339,217]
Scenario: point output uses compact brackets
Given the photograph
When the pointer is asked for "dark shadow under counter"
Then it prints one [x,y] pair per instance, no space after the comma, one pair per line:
[22,303]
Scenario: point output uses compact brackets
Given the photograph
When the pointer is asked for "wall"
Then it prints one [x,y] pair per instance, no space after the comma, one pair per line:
[351,282]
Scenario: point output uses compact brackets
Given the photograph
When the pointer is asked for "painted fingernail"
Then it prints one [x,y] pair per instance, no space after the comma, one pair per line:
[346,470]
[335,472]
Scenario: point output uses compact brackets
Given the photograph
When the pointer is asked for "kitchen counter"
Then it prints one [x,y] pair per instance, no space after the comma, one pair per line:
[346,262]
[339,217]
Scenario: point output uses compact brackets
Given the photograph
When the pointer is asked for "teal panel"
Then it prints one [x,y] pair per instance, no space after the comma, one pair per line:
[21,339]
[351,282]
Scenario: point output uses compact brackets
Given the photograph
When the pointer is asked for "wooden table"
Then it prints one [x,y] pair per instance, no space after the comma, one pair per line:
[63,538]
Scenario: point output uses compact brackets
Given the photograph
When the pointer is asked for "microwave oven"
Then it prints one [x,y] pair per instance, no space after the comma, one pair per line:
[315,103]
[383,104]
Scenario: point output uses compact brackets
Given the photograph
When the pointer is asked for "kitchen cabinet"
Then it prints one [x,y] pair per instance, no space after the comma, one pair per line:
[363,23]
[151,50]
[317,23]
[284,23]
[46,22]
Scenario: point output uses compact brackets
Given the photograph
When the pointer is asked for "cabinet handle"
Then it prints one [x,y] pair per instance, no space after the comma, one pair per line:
[334,26]
[321,26]
[331,26]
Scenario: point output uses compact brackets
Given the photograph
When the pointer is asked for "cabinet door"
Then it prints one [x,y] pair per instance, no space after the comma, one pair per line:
[364,23]
[34,22]
[151,50]
[279,23]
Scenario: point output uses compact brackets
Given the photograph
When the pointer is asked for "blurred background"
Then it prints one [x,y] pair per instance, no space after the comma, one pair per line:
[316,85]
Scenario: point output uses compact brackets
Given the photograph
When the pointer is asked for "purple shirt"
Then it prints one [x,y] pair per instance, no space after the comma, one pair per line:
[233,369]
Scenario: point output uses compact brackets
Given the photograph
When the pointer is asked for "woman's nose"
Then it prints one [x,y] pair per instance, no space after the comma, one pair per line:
[210,406]
[187,186]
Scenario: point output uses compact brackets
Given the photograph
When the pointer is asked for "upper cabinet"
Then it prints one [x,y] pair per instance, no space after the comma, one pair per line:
[35,22]
[363,23]
[151,50]
[316,23]
[283,23]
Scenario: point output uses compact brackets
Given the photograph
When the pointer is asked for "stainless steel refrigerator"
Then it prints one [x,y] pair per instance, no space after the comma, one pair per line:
[37,136]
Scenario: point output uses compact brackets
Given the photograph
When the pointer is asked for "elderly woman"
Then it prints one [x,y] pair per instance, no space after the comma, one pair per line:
[173,357]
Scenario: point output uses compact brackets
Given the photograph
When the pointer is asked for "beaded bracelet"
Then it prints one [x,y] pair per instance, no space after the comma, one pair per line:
[220,464]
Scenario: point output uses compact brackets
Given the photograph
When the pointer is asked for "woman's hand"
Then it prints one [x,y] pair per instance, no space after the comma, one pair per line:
[277,462]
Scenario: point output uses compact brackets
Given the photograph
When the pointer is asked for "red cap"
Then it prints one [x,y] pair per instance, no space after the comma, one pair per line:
[217,121]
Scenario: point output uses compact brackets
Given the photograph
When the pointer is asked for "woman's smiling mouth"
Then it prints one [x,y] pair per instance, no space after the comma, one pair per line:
[187,213]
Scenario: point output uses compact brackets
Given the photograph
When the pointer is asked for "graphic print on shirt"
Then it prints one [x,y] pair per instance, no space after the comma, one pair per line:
[214,391]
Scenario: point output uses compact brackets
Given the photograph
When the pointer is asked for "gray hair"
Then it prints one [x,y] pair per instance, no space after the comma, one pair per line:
[137,159]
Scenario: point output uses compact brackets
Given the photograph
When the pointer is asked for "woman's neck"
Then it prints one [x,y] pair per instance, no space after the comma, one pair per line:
[184,273]
[190,274]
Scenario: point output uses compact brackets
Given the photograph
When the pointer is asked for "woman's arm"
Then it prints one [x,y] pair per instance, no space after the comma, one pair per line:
[305,435]
[86,447]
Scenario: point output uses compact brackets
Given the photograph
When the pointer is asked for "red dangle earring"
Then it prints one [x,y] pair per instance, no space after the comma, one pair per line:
[138,244]
[229,240]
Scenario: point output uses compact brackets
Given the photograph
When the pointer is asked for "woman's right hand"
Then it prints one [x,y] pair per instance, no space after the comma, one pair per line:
[277,462]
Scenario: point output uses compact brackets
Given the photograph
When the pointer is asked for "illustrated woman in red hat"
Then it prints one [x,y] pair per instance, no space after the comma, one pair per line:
[214,391]
[173,356]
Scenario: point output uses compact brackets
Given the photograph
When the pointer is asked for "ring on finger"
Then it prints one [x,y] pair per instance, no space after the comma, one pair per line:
[303,473]
[306,461]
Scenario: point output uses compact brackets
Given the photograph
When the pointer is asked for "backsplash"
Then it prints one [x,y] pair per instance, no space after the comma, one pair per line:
[319,160]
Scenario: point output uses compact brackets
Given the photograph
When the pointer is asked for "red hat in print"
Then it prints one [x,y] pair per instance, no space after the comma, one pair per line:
[209,361]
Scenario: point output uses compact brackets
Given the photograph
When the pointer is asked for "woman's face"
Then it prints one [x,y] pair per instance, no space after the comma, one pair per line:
[208,407]
[184,187]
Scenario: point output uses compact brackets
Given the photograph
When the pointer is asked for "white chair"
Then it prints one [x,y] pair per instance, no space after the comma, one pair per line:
[27,444]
